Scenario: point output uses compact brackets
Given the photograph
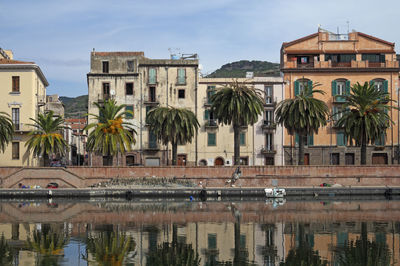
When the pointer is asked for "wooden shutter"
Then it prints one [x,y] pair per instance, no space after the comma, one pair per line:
[347,87]
[129,108]
[296,88]
[334,86]
[385,86]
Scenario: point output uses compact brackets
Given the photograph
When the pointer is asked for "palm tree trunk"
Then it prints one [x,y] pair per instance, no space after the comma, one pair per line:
[236,144]
[301,150]
[237,257]
[174,152]
[363,150]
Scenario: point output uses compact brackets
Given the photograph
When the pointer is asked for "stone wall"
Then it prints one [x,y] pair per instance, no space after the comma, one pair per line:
[258,176]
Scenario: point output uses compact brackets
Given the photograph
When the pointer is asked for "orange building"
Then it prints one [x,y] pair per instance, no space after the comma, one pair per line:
[337,61]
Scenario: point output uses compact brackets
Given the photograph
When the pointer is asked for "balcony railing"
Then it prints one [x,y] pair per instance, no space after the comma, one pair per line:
[339,99]
[103,97]
[151,146]
[152,100]
[330,64]
[21,127]
[268,124]
[268,149]
[341,64]
[211,123]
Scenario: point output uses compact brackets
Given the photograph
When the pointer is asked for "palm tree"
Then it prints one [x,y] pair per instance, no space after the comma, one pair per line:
[173,125]
[46,138]
[365,116]
[6,130]
[238,105]
[173,254]
[303,115]
[6,252]
[110,248]
[111,133]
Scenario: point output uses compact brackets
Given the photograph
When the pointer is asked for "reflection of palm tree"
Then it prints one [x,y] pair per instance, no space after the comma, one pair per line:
[269,251]
[6,255]
[110,248]
[48,243]
[173,254]
[303,254]
[363,252]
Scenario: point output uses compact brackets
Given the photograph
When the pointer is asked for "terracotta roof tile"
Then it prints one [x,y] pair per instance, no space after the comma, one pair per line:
[119,53]
[11,62]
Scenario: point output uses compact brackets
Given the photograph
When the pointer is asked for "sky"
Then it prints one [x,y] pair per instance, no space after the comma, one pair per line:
[59,35]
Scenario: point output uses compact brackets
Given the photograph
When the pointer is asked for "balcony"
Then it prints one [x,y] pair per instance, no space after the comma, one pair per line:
[21,127]
[341,64]
[103,97]
[269,149]
[270,102]
[330,64]
[211,123]
[207,102]
[152,101]
[268,125]
[339,99]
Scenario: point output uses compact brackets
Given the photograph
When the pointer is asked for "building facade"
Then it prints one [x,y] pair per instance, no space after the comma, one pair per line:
[142,84]
[23,96]
[260,144]
[337,61]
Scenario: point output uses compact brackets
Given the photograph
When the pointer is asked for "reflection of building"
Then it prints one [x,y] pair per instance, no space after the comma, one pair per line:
[337,61]
[142,84]
[260,144]
[23,96]
[77,137]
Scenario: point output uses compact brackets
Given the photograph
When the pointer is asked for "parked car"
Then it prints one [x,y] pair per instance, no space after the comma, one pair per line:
[52,185]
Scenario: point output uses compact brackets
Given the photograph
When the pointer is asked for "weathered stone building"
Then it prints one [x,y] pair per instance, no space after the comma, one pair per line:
[337,61]
[142,83]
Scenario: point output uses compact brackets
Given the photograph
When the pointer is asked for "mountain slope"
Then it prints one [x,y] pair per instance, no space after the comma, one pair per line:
[238,69]
[75,107]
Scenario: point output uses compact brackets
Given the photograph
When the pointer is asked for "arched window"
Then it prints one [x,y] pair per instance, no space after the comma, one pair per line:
[300,84]
[340,87]
[380,84]
[203,162]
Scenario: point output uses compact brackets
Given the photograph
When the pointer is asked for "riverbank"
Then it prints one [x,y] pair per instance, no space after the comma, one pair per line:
[197,193]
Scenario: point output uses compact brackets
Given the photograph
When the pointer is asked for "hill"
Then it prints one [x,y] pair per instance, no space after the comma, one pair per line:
[75,107]
[238,69]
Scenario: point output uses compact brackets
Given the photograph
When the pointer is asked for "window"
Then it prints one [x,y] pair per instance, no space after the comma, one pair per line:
[181,76]
[129,88]
[181,94]
[152,140]
[106,90]
[335,158]
[307,140]
[380,84]
[242,139]
[269,142]
[130,160]
[15,84]
[380,141]
[374,58]
[152,94]
[340,58]
[244,160]
[130,65]
[337,113]
[303,60]
[105,67]
[269,117]
[212,241]
[268,94]
[349,158]
[269,160]
[15,150]
[300,85]
[15,118]
[210,92]
[152,76]
[148,109]
[129,108]
[211,139]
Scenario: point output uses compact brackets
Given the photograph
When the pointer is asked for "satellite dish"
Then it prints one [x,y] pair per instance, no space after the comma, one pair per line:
[200,66]
[112,92]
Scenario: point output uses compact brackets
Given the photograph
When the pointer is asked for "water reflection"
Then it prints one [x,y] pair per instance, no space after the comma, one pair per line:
[200,233]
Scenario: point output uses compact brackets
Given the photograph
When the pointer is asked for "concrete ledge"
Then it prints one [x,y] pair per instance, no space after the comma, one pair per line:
[195,192]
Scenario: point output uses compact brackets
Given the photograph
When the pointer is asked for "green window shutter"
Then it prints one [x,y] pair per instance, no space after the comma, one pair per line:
[380,141]
[296,139]
[152,75]
[129,108]
[211,139]
[212,241]
[347,87]
[334,92]
[340,139]
[309,84]
[342,239]
[310,140]
[206,115]
[371,82]
[181,76]
[296,88]
[242,139]
[385,86]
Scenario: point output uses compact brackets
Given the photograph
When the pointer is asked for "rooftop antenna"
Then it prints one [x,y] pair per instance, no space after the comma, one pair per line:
[174,53]
[348,26]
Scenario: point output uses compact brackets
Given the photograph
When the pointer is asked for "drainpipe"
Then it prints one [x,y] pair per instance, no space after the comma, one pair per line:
[195,110]
[391,105]
[141,117]
[166,70]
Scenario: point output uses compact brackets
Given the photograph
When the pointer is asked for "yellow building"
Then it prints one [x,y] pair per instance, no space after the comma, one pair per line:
[23,97]
[337,61]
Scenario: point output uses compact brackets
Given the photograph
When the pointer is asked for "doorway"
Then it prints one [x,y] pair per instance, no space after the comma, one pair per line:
[379,158]
[181,160]
[219,161]
[306,159]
